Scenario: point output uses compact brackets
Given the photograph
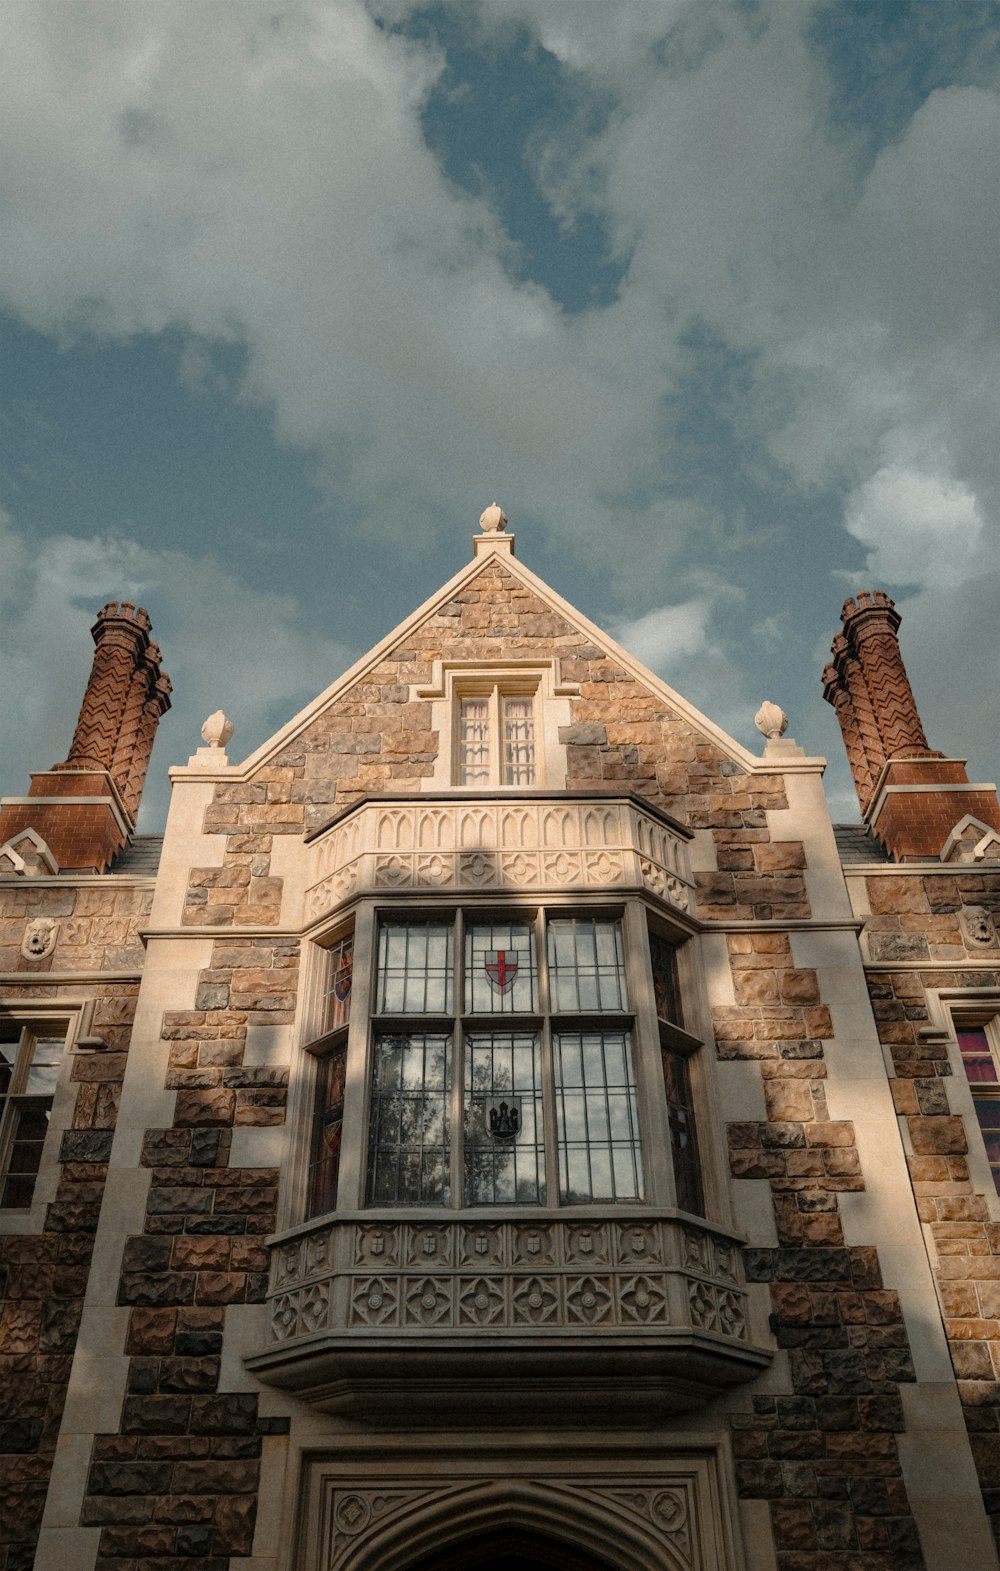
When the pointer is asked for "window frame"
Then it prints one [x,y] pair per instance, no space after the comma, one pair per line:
[495,687]
[984,1017]
[38,1020]
[638,916]
[950,1010]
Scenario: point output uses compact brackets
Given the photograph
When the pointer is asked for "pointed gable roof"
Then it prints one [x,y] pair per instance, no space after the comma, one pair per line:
[495,554]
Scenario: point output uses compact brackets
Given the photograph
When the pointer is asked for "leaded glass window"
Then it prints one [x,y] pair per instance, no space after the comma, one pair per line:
[504,1135]
[587,964]
[337,1012]
[979,1046]
[666,990]
[496,742]
[518,741]
[474,742]
[415,968]
[683,1132]
[30,1065]
[500,969]
[408,1145]
[600,1156]
[328,1130]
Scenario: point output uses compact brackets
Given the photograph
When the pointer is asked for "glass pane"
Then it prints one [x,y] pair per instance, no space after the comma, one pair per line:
[683,1135]
[599,1152]
[977,1059]
[340,978]
[328,1128]
[474,741]
[29,1131]
[587,964]
[408,1134]
[8,1057]
[988,1113]
[504,1134]
[500,968]
[414,968]
[518,741]
[663,959]
[46,1061]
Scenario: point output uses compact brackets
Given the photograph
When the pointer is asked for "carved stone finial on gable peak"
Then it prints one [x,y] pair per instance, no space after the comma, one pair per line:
[492,518]
[771,721]
[217,730]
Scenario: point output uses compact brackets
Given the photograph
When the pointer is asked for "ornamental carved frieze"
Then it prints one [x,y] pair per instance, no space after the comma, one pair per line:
[614,1275]
[489,845]
[660,1515]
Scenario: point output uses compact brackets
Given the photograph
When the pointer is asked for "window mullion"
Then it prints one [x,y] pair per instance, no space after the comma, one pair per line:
[456,1091]
[357,1076]
[496,738]
[549,1122]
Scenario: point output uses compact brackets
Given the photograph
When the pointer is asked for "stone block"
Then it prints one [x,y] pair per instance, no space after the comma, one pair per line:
[129,1478]
[201,1108]
[937,1136]
[86,1145]
[216,1478]
[151,1331]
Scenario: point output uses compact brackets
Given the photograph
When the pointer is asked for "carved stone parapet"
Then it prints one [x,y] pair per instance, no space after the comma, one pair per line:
[647,1292]
[488,844]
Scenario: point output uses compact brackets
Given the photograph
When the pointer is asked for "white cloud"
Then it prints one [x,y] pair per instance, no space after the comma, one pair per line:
[261,176]
[225,646]
[687,644]
[921,528]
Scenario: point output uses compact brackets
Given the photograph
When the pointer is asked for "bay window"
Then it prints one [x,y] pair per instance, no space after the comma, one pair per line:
[500,1064]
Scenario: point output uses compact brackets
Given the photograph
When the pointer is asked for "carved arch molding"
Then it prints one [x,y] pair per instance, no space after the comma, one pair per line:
[645,1518]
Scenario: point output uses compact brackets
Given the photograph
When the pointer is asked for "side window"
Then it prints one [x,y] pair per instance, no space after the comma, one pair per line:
[331,1071]
[979,1046]
[31,1058]
[675,1054]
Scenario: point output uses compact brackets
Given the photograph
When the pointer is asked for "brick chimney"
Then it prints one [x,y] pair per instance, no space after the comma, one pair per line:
[85,809]
[911,796]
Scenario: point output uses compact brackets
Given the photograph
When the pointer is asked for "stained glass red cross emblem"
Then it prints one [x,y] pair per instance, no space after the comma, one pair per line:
[501,968]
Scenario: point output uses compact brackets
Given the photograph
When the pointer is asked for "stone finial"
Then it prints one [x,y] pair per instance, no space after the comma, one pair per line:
[492,519]
[771,721]
[217,730]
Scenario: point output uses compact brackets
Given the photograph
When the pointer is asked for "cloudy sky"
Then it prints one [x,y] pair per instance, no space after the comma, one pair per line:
[704,292]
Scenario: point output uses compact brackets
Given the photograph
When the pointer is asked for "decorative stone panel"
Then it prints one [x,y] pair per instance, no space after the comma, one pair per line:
[487,844]
[352,1285]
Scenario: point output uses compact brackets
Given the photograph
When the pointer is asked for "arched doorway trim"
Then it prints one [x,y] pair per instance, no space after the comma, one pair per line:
[628,1529]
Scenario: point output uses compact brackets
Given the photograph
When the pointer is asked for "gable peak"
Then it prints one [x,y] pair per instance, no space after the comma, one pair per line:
[491,539]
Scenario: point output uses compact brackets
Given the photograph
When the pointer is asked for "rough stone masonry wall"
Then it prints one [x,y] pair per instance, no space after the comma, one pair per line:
[179,1481]
[186,1457]
[917,919]
[825,1456]
[43,1276]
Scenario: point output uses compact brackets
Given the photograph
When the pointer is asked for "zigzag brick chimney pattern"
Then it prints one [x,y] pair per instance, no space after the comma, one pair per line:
[85,808]
[911,796]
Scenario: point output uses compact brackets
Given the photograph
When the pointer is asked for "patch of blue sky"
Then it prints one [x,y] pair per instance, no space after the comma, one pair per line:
[885,57]
[499,97]
[146,437]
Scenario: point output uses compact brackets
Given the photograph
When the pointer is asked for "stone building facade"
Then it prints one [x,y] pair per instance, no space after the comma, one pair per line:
[503,1123]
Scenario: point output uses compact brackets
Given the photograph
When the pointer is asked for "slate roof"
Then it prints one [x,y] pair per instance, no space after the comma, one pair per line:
[141,857]
[856,845]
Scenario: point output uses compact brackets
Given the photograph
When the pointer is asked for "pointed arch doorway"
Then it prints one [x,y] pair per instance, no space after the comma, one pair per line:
[513,1550]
